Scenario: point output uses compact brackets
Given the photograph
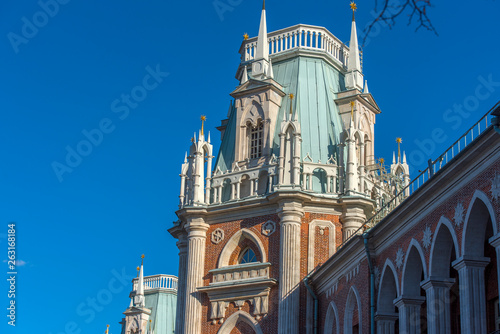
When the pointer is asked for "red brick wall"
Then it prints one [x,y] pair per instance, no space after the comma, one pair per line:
[446,209]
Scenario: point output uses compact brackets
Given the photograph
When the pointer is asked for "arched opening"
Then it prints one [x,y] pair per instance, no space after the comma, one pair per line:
[412,304]
[240,242]
[332,320]
[441,288]
[263,184]
[245,186]
[226,190]
[352,316]
[387,313]
[240,322]
[319,180]
[478,269]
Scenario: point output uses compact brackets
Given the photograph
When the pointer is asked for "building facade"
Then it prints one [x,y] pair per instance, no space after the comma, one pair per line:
[285,229]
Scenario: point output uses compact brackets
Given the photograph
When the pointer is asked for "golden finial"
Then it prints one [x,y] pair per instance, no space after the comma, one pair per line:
[107,329]
[192,139]
[291,99]
[142,259]
[399,140]
[138,268]
[352,109]
[203,119]
[245,36]
[381,160]
[354,7]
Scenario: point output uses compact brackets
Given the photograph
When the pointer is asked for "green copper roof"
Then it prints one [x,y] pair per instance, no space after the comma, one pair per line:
[162,306]
[315,83]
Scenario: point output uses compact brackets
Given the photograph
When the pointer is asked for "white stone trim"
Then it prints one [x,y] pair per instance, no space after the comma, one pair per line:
[413,243]
[233,242]
[231,322]
[443,221]
[332,315]
[312,234]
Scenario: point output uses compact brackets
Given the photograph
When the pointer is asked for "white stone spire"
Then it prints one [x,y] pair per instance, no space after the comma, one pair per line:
[244,77]
[260,67]
[139,295]
[354,77]
[365,90]
[262,43]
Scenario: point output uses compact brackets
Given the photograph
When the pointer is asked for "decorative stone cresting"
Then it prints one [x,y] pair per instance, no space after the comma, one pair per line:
[217,236]
[352,273]
[268,228]
[459,214]
[426,240]
[400,255]
[495,187]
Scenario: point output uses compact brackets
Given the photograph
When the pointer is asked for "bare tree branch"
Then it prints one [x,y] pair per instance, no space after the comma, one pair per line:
[392,9]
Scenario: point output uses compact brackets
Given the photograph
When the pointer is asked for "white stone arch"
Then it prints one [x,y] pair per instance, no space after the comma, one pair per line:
[440,250]
[475,231]
[332,317]
[252,114]
[233,243]
[243,316]
[287,125]
[353,299]
[413,245]
[389,269]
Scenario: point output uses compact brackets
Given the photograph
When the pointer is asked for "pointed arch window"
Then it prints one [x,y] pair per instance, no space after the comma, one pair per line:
[248,256]
[255,140]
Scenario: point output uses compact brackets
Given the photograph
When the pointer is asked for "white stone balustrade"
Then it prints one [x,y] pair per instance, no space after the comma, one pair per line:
[300,36]
[249,271]
[160,282]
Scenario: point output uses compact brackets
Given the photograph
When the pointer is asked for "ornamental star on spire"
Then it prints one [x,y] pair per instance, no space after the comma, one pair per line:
[354,7]
[245,36]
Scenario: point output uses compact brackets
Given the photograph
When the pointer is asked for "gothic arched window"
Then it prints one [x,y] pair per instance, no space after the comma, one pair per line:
[255,140]
[248,256]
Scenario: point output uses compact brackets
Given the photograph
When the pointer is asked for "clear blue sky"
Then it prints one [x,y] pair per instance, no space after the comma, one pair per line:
[119,200]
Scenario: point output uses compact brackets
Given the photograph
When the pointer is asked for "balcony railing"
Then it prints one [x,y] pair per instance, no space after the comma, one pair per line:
[433,167]
[240,272]
[159,282]
[300,36]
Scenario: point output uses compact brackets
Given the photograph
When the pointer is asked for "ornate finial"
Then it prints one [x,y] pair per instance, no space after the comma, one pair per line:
[381,160]
[353,7]
[264,5]
[107,329]
[352,109]
[192,139]
[245,36]
[399,140]
[138,268]
[291,99]
[203,119]
[142,259]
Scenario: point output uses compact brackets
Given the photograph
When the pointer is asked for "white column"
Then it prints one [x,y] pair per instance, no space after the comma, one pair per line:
[208,180]
[197,233]
[181,289]
[362,168]
[386,323]
[472,293]
[270,189]
[281,166]
[437,292]
[238,187]
[341,169]
[197,177]
[183,188]
[289,292]
[351,166]
[495,242]
[296,159]
[409,314]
